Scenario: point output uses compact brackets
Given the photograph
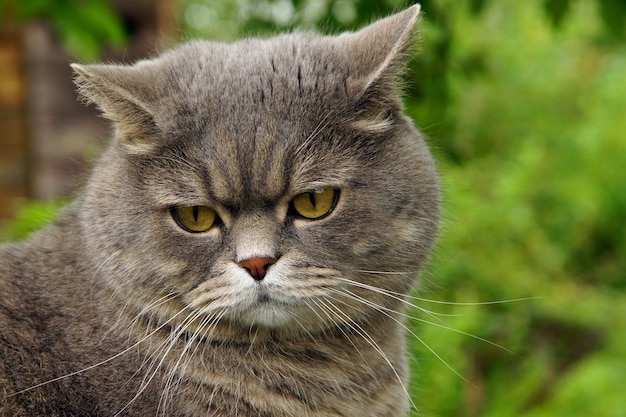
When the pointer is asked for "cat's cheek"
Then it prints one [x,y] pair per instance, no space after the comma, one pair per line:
[169,267]
[226,291]
[363,247]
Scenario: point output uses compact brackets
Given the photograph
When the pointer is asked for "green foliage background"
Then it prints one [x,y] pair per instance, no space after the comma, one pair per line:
[524,105]
[83,27]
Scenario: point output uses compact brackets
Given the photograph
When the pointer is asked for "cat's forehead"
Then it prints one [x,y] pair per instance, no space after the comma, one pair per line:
[265,161]
[265,111]
[276,56]
[277,74]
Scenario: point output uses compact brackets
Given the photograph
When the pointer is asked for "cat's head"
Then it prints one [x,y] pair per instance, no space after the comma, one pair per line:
[271,183]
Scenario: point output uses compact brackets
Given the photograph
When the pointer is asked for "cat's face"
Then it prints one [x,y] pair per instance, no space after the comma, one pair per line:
[269,183]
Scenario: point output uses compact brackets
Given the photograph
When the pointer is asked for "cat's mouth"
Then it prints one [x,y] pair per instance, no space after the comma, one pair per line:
[266,307]
[287,299]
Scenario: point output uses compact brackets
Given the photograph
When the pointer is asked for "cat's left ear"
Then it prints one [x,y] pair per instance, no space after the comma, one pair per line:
[377,55]
[125,98]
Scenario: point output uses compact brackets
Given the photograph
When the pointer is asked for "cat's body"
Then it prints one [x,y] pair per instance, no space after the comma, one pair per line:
[242,247]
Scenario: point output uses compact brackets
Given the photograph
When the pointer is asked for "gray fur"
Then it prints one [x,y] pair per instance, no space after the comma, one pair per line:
[116,309]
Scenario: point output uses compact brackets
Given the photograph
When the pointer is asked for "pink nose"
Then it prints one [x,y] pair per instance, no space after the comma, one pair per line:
[257,267]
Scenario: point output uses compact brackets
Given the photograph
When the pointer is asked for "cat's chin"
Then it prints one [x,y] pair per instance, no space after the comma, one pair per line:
[265,310]
[269,315]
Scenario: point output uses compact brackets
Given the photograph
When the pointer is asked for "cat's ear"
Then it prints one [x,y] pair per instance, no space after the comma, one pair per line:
[125,98]
[377,55]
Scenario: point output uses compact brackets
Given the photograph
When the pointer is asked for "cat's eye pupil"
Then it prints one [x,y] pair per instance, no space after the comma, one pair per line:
[195,210]
[312,199]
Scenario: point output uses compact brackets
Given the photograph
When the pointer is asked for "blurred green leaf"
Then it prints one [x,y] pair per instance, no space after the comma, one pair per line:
[614,15]
[30,218]
[84,27]
[557,9]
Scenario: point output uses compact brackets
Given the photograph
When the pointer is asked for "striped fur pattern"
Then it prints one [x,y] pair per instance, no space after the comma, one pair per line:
[115,310]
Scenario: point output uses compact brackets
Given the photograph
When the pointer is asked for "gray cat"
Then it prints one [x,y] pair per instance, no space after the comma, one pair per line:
[243,246]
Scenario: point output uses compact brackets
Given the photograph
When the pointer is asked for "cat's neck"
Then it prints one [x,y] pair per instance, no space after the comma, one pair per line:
[346,366]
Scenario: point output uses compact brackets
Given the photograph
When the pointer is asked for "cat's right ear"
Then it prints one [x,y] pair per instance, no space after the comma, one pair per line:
[374,59]
[122,96]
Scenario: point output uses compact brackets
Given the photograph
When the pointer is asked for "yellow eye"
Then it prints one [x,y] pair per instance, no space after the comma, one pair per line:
[315,204]
[194,219]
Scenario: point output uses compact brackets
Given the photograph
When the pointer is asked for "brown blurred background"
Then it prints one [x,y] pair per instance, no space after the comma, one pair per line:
[47,137]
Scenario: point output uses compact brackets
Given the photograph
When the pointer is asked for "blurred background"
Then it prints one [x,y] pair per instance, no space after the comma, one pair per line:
[524,106]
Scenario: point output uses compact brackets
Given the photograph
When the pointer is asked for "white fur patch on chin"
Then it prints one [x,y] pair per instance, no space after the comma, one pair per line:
[268,314]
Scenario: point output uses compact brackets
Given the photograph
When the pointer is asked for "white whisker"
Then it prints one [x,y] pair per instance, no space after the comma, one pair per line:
[427,300]
[396,296]
[363,271]
[117,355]
[316,131]
[423,343]
[162,351]
[155,304]
[363,333]
[206,326]
[473,304]
[383,309]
